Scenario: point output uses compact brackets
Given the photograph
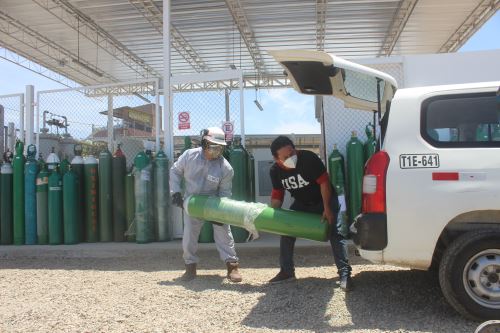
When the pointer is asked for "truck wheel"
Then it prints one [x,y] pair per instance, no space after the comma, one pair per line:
[469,274]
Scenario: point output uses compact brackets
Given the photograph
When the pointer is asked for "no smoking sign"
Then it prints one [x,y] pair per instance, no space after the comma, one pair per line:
[183,118]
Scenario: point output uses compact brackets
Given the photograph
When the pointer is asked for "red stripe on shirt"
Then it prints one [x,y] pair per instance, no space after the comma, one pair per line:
[323,178]
[278,194]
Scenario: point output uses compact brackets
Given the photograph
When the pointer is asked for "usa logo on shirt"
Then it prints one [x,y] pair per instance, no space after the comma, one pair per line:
[294,182]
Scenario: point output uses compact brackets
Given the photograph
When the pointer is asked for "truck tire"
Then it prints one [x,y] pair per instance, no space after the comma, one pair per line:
[469,274]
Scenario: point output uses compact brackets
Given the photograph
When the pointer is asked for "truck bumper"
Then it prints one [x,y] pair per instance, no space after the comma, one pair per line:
[369,231]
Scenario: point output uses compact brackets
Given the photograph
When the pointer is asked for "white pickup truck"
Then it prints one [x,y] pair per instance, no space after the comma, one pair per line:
[431,193]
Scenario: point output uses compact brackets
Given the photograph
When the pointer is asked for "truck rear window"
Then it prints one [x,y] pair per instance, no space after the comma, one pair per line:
[467,120]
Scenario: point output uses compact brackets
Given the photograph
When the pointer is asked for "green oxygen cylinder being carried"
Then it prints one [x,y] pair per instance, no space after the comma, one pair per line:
[337,179]
[355,165]
[119,194]
[143,189]
[30,172]
[90,176]
[55,216]
[257,217]
[130,206]
[105,196]
[161,196]
[370,144]
[42,204]
[18,188]
[6,218]
[238,158]
[77,164]
[70,193]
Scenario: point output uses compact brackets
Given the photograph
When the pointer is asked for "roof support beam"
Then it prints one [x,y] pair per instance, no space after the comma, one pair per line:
[247,34]
[153,14]
[472,23]
[397,26]
[85,26]
[61,57]
[15,57]
[321,6]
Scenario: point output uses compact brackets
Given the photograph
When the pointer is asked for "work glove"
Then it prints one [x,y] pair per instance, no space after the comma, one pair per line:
[178,200]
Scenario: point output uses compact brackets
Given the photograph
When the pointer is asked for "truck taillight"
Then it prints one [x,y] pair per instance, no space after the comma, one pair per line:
[374,183]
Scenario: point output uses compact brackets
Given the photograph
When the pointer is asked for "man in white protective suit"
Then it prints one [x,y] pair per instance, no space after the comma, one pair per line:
[205,171]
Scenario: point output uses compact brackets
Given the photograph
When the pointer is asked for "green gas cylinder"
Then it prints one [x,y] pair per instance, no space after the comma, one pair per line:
[143,189]
[70,193]
[251,177]
[78,169]
[42,204]
[30,172]
[162,200]
[18,188]
[336,170]
[105,197]
[64,165]
[238,159]
[90,176]
[482,132]
[130,206]
[355,165]
[370,143]
[55,216]
[206,233]
[6,220]
[119,193]
[52,160]
[187,144]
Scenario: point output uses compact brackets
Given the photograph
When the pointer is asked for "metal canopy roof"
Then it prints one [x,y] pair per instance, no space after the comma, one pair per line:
[98,41]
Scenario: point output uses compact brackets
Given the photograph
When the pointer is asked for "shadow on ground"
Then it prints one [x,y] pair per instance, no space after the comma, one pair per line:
[382,300]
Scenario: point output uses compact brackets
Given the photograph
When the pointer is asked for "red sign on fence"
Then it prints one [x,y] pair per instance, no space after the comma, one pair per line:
[184,120]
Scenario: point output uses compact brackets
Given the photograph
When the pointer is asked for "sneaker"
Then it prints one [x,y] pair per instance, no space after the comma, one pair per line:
[282,277]
[346,283]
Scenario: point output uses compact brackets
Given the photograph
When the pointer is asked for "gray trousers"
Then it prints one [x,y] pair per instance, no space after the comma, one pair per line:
[223,241]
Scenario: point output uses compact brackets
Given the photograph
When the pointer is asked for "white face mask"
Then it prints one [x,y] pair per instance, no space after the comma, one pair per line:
[291,162]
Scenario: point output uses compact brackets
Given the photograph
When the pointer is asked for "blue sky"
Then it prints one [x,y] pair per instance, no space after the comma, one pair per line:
[285,111]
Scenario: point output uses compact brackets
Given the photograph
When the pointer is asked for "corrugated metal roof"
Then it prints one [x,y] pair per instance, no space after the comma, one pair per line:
[99,41]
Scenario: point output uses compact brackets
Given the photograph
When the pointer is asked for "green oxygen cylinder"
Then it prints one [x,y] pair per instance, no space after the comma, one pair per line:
[55,216]
[105,197]
[370,143]
[130,206]
[239,161]
[337,179]
[206,233]
[251,177]
[52,160]
[143,198]
[355,165]
[78,169]
[18,188]
[119,193]
[64,165]
[42,204]
[162,199]
[90,176]
[30,172]
[6,218]
[70,194]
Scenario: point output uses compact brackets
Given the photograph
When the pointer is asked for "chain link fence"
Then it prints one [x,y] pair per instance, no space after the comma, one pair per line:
[98,117]
[340,121]
[11,121]
[196,110]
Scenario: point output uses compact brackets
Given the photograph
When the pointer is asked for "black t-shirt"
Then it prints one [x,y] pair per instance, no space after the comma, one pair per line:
[301,181]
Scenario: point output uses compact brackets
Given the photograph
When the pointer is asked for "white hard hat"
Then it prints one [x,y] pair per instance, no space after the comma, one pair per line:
[214,135]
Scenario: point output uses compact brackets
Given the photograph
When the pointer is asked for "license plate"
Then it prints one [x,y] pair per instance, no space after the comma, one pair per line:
[413,161]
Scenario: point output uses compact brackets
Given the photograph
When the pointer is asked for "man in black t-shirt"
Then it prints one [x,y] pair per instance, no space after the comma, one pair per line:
[304,175]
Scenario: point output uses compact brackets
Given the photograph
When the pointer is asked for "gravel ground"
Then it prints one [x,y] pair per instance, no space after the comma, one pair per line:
[105,291]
